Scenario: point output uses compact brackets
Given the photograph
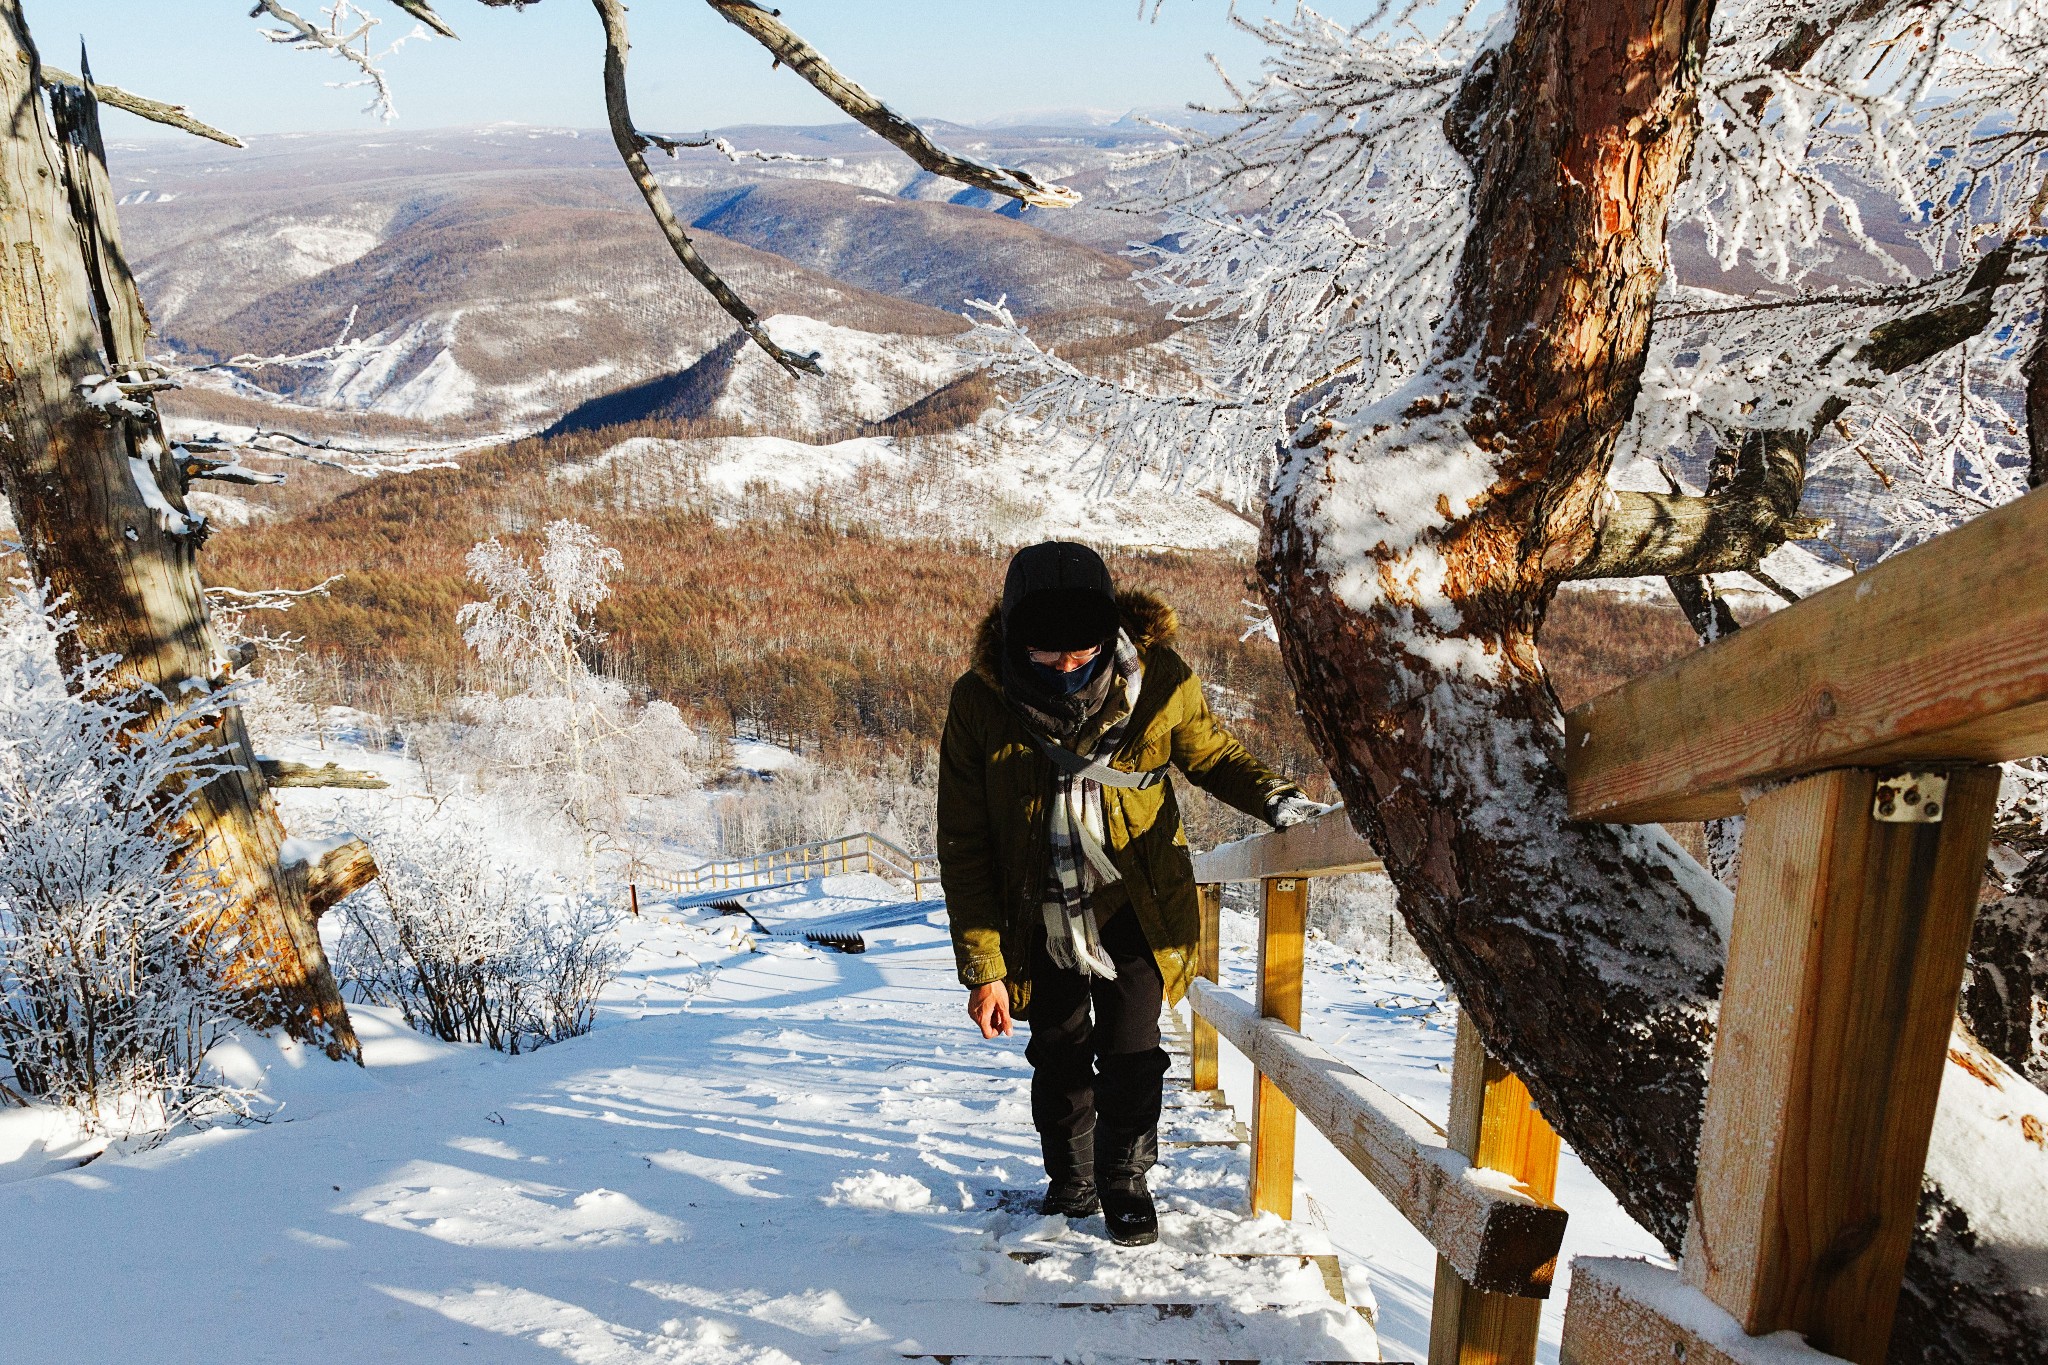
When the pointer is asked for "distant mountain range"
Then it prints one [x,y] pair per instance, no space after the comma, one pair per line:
[499,277]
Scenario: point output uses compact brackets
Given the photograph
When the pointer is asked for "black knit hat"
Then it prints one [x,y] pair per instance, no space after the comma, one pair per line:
[1058,595]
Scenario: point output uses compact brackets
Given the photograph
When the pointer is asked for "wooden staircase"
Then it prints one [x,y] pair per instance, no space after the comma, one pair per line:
[1221,1285]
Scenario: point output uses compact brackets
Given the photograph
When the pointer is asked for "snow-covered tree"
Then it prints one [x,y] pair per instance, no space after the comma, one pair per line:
[113,953]
[568,735]
[1427,281]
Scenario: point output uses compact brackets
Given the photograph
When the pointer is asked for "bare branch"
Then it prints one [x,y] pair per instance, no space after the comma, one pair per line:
[632,146]
[283,772]
[340,870]
[765,28]
[422,11]
[361,461]
[156,111]
[1676,535]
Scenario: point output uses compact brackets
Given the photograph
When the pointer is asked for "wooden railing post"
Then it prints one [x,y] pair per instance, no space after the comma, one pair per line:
[1283,922]
[1494,1122]
[1208,965]
[1852,919]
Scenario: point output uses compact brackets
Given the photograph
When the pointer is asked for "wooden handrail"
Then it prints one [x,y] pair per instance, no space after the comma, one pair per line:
[1323,846]
[1497,1235]
[1938,655]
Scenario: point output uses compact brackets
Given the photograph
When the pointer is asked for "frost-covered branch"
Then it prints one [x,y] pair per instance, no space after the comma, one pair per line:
[765,27]
[726,149]
[1734,527]
[1312,244]
[347,36]
[219,456]
[112,956]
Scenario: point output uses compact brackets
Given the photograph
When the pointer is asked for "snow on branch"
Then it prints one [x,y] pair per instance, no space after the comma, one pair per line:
[113,959]
[672,145]
[765,27]
[1906,392]
[1311,244]
[347,36]
[1806,112]
[222,600]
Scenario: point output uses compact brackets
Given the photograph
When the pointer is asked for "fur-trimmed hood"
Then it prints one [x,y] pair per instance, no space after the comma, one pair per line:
[1148,619]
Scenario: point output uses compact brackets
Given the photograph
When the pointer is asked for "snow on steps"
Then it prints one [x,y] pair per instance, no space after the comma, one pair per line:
[1220,1284]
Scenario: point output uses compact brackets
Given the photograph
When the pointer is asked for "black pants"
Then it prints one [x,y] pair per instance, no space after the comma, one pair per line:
[1106,1072]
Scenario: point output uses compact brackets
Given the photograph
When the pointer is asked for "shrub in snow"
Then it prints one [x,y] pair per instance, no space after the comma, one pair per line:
[110,967]
[471,951]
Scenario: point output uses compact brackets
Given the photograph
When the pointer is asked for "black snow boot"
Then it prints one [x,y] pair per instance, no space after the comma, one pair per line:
[1126,1198]
[1069,1174]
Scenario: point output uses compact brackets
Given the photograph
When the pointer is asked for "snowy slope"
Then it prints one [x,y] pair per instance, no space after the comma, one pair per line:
[1005,482]
[757,1157]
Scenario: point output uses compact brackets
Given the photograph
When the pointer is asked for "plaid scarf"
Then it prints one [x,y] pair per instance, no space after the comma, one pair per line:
[1078,835]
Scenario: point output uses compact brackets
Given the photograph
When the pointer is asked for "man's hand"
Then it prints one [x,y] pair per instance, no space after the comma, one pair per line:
[989,1006]
[1292,809]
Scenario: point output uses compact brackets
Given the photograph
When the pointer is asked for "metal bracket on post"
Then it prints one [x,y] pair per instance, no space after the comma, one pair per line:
[1910,799]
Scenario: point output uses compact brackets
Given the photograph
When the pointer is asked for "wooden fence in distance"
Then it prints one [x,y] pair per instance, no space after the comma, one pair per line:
[800,862]
[1496,1240]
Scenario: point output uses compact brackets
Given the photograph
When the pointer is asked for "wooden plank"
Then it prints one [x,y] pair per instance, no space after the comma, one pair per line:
[1494,1232]
[1283,930]
[1844,963]
[1494,1121]
[1208,966]
[1935,655]
[1319,847]
[1626,1312]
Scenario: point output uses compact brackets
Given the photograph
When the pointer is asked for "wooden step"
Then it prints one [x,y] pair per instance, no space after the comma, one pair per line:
[1151,1331]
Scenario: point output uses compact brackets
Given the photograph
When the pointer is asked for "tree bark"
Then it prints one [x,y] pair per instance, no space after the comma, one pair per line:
[2036,370]
[100,503]
[1410,549]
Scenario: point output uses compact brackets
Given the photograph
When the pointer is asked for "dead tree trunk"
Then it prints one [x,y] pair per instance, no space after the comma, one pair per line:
[1410,551]
[100,499]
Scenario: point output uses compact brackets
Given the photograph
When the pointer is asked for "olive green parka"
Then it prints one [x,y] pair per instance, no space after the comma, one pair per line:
[995,786]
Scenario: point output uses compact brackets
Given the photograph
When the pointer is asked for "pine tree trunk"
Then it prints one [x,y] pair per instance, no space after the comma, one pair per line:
[1410,551]
[100,501]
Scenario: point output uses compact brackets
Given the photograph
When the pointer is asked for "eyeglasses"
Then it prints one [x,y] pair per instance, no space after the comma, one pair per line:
[1065,660]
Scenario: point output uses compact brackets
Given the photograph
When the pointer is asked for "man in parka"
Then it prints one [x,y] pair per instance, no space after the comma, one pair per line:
[1065,867]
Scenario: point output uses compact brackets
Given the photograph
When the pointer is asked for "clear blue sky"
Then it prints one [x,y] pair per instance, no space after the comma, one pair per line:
[967,60]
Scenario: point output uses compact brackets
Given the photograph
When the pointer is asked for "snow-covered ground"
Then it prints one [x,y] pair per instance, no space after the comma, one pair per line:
[764,1152]
[1004,481]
